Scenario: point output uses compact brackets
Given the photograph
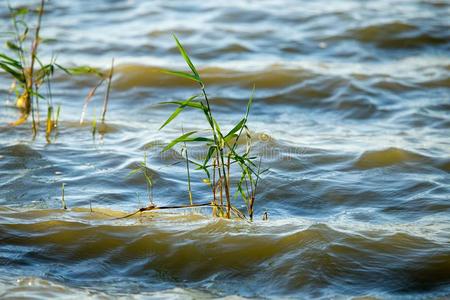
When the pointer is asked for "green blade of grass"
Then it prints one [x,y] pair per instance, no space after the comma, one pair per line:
[192,104]
[10,61]
[58,112]
[81,70]
[17,75]
[250,102]
[19,11]
[211,151]
[172,116]
[186,58]
[235,129]
[199,139]
[13,46]
[178,111]
[217,127]
[185,138]
[182,75]
[178,140]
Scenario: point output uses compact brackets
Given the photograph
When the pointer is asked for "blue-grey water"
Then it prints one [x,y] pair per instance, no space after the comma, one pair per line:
[351,114]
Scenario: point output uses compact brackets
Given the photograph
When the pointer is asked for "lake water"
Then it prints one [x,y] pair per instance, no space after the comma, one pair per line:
[351,114]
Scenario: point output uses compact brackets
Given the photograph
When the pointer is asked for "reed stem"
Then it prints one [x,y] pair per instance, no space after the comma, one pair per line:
[106,100]
[63,201]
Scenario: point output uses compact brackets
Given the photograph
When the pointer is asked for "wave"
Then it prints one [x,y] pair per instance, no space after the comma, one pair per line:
[284,256]
[387,157]
[39,288]
[134,75]
[397,35]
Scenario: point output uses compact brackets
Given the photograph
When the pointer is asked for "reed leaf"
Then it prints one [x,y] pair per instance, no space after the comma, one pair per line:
[182,104]
[16,74]
[187,59]
[19,11]
[193,104]
[13,46]
[10,61]
[81,70]
[179,139]
[182,75]
[235,129]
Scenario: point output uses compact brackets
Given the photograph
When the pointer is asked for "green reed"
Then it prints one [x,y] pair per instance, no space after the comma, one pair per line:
[223,152]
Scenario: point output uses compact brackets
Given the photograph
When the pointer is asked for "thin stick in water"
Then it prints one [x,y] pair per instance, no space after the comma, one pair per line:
[89,98]
[63,201]
[105,102]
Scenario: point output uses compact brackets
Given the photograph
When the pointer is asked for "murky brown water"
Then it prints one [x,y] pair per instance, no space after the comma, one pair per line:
[351,115]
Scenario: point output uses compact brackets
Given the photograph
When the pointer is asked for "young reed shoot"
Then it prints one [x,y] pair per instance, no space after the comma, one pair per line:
[223,152]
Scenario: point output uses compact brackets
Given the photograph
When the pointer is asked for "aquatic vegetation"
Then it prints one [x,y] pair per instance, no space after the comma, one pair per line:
[143,168]
[108,89]
[63,200]
[102,79]
[223,152]
[355,132]
[28,71]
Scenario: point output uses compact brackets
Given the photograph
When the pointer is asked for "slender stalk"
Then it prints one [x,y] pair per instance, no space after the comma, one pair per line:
[154,207]
[247,195]
[49,126]
[228,185]
[94,124]
[63,201]
[34,49]
[214,184]
[254,191]
[188,172]
[89,98]
[189,176]
[33,122]
[19,41]
[106,100]
[148,179]
[219,148]
[20,53]
[58,112]
[221,192]
[38,114]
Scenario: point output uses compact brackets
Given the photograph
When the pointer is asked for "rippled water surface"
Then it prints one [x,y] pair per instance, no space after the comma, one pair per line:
[351,114]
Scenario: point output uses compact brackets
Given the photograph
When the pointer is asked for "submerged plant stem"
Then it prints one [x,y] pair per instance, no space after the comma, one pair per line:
[153,207]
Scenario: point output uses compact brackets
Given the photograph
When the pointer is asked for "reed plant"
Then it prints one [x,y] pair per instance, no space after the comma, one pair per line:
[223,152]
[22,62]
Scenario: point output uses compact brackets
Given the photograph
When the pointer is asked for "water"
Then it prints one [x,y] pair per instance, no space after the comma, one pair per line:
[351,115]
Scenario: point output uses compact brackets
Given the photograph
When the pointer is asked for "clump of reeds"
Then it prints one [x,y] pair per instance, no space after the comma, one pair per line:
[223,152]
[29,72]
[21,60]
